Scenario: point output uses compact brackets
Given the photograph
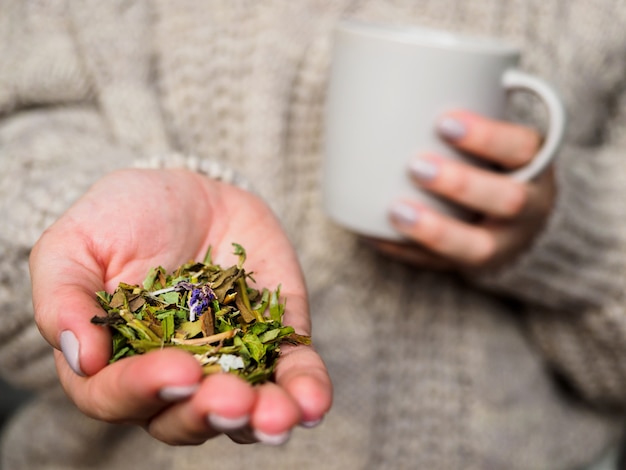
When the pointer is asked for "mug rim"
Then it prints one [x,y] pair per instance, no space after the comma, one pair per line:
[427,36]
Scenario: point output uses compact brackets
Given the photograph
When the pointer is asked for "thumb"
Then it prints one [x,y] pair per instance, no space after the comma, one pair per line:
[65,277]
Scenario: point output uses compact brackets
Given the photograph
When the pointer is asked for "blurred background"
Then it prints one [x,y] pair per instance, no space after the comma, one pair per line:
[10,400]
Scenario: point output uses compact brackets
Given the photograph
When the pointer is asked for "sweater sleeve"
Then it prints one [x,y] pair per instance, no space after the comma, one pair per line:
[49,157]
[571,283]
[56,139]
[70,112]
[48,128]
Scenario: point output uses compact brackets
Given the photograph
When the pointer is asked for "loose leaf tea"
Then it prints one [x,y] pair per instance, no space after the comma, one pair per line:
[205,309]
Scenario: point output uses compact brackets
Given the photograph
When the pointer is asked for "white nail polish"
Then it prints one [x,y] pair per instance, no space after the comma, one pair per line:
[311,424]
[423,169]
[451,128]
[272,439]
[177,392]
[71,351]
[404,214]
[223,424]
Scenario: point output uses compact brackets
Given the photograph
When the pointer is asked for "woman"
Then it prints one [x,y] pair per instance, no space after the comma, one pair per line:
[499,345]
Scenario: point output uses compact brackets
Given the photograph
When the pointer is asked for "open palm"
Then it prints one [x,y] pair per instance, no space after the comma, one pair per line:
[133,220]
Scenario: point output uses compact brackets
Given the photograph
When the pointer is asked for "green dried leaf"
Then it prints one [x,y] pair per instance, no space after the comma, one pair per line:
[104,298]
[276,308]
[190,329]
[270,335]
[170,298]
[167,323]
[254,346]
[208,258]
[241,252]
[148,282]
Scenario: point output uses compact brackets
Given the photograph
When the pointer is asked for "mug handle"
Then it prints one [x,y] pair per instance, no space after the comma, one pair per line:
[514,80]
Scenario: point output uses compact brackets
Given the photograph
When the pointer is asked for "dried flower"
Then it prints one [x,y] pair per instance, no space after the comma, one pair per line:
[199,301]
[230,362]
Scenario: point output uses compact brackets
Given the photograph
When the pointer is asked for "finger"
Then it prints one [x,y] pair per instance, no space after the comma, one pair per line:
[223,403]
[461,243]
[133,389]
[64,286]
[481,191]
[302,374]
[275,414]
[506,144]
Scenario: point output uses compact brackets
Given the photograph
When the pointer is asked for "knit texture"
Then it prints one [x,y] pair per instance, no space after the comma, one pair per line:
[431,371]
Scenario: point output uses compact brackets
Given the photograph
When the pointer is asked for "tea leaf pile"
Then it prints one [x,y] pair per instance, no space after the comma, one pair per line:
[205,309]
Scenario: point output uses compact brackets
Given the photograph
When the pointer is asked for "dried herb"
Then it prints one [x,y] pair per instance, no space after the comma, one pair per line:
[205,309]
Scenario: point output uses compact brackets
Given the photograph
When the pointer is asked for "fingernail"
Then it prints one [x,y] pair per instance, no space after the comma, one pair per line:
[451,128]
[404,214]
[224,424]
[424,170]
[177,392]
[311,424]
[272,439]
[71,349]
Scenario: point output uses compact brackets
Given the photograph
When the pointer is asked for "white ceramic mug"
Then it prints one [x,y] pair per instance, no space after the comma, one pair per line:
[387,87]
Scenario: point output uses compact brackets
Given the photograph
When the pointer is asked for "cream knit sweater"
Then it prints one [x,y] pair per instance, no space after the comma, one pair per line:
[430,371]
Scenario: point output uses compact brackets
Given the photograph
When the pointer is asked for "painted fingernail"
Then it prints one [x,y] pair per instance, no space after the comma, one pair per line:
[423,170]
[71,349]
[312,423]
[175,393]
[404,214]
[451,128]
[224,424]
[272,439]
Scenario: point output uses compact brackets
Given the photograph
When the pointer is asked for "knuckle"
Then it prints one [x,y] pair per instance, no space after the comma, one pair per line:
[527,145]
[456,182]
[516,200]
[96,404]
[484,249]
[485,138]
[96,411]
[433,235]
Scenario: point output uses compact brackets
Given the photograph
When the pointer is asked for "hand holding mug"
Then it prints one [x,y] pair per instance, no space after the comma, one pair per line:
[510,212]
[388,87]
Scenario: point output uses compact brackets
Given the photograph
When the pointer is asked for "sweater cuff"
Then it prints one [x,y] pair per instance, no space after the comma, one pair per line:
[211,168]
[579,257]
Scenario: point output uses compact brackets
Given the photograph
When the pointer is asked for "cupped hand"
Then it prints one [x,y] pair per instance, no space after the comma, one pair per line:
[509,213]
[125,224]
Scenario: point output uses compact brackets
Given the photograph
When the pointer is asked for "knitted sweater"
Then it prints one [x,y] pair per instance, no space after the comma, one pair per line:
[523,368]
